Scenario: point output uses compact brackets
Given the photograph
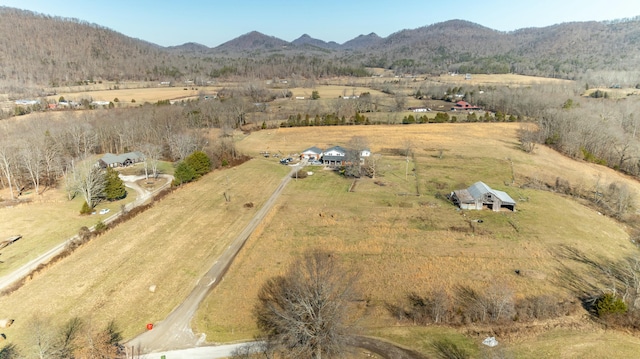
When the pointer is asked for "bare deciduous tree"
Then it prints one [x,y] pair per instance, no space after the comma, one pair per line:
[7,165]
[42,339]
[152,155]
[304,312]
[89,181]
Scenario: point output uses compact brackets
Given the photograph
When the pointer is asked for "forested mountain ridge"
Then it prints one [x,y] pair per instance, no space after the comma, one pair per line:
[44,51]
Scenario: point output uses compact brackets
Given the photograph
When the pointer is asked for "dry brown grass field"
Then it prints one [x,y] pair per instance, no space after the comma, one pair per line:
[333,91]
[170,245]
[401,243]
[615,93]
[140,95]
[397,241]
[45,221]
[501,79]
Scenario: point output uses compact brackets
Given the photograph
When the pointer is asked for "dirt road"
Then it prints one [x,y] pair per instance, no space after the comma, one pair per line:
[175,331]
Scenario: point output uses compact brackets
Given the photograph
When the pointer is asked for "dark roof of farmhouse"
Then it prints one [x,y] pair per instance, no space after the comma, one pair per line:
[110,158]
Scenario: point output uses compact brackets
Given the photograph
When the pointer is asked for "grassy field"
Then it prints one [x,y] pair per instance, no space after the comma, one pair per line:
[397,231]
[501,79]
[170,245]
[402,243]
[398,241]
[140,95]
[49,219]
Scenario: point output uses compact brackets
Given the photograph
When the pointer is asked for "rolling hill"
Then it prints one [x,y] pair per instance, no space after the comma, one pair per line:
[46,51]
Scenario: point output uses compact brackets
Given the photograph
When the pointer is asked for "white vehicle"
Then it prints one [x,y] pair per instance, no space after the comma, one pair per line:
[104,211]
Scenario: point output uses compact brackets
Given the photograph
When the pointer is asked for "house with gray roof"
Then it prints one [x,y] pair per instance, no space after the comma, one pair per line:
[311,153]
[123,160]
[479,195]
[334,156]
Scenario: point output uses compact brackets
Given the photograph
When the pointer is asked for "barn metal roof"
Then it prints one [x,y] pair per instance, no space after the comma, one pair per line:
[479,189]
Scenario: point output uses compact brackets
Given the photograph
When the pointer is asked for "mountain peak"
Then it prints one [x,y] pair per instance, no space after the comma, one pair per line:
[251,41]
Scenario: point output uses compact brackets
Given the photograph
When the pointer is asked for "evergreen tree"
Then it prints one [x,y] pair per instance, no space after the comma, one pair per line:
[183,173]
[199,162]
[113,186]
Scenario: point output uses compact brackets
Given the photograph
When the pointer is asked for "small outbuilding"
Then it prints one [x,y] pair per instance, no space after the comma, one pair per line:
[479,195]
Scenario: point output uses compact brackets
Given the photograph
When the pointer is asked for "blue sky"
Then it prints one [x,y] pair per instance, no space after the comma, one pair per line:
[212,22]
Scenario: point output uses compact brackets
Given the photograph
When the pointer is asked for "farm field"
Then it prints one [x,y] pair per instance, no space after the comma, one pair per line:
[139,95]
[170,245]
[397,231]
[501,79]
[48,220]
[401,243]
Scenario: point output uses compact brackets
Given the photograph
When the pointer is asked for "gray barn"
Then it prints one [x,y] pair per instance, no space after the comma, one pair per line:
[479,195]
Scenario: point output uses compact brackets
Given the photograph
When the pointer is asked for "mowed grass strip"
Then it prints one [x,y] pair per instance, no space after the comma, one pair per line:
[403,243]
[47,221]
[170,245]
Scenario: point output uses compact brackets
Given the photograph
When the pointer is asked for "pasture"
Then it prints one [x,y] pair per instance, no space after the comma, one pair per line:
[137,96]
[45,221]
[401,243]
[397,231]
[500,79]
[170,245]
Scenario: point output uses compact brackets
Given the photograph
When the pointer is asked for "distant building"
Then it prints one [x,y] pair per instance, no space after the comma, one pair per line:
[464,105]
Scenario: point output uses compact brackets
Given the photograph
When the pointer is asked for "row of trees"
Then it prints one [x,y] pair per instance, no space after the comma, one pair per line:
[191,168]
[38,151]
[325,120]
[472,116]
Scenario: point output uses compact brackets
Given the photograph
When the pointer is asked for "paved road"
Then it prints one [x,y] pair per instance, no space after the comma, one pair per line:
[206,352]
[175,332]
[373,345]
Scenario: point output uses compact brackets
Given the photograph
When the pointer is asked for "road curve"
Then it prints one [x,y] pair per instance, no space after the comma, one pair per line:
[174,332]
[380,347]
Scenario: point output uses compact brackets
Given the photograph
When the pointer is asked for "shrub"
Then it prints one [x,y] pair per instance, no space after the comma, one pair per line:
[183,174]
[543,307]
[100,226]
[86,209]
[199,162]
[609,304]
[301,173]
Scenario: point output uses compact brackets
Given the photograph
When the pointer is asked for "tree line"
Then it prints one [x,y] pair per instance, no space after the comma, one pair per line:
[41,152]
